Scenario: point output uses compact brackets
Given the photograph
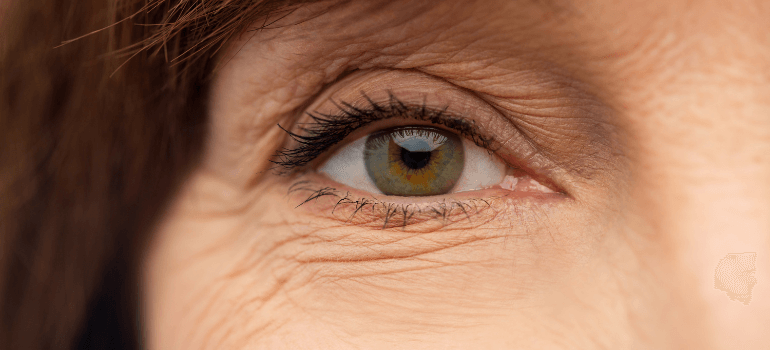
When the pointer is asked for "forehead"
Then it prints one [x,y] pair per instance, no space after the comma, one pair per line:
[603,40]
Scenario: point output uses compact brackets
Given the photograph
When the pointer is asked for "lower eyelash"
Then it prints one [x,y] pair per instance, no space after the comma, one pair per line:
[392,215]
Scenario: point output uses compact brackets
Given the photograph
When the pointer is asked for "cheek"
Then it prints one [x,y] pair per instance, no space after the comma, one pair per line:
[208,285]
[271,276]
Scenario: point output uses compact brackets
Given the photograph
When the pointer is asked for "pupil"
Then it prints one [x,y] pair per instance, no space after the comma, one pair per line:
[414,160]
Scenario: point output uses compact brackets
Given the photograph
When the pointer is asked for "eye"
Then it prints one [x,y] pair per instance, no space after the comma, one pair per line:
[414,161]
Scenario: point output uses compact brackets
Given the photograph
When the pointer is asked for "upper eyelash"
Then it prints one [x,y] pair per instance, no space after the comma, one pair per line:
[326,130]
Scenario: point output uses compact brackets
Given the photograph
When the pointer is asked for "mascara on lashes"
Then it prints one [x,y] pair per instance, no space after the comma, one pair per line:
[326,130]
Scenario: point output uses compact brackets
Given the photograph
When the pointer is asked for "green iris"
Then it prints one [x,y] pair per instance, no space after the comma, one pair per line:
[414,160]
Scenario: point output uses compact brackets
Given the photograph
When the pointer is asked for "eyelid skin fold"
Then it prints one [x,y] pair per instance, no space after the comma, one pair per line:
[369,96]
[326,130]
[367,101]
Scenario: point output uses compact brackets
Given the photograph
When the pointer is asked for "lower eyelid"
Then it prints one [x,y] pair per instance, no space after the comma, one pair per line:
[319,197]
[373,213]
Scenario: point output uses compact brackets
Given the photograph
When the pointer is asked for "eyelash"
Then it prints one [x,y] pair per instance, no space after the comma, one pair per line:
[390,212]
[326,130]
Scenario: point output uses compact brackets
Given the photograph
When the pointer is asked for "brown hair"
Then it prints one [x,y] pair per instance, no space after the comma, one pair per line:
[92,147]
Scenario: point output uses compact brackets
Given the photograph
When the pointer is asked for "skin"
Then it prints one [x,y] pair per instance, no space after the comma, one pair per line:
[652,119]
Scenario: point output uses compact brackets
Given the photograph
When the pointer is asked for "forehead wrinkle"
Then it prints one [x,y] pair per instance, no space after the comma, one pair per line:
[443,32]
[400,34]
[361,20]
[401,11]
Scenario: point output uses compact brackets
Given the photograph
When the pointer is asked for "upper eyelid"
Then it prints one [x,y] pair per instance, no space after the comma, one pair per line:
[558,158]
[330,129]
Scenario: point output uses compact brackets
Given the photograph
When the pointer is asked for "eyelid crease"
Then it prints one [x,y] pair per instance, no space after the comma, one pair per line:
[326,130]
